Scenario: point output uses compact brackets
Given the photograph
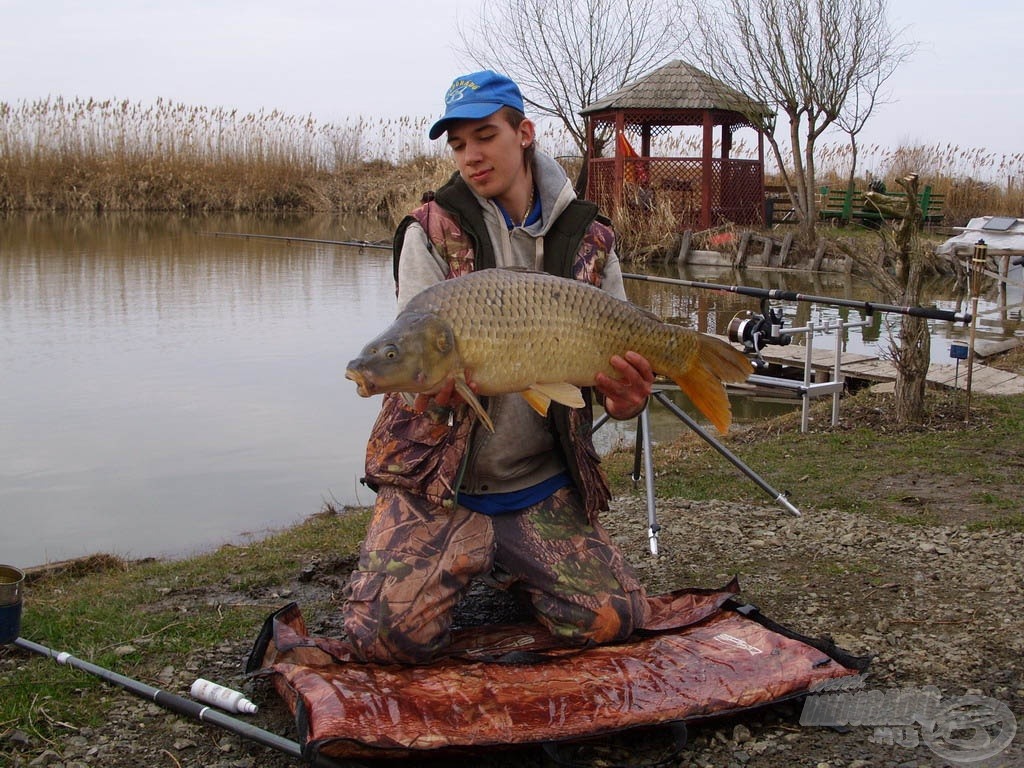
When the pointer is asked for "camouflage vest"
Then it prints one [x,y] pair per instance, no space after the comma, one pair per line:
[425,453]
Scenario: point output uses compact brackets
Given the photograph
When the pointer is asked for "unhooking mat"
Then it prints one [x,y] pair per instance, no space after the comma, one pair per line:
[703,653]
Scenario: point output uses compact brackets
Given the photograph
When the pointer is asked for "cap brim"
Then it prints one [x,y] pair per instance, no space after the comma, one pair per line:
[473,111]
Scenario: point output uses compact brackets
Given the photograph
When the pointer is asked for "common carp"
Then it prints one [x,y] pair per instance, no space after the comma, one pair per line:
[541,336]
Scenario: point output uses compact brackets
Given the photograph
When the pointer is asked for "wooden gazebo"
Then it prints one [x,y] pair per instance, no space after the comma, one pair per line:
[703,191]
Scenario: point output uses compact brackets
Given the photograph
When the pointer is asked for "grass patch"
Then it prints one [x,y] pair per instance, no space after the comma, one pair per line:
[1011,522]
[940,472]
[136,618]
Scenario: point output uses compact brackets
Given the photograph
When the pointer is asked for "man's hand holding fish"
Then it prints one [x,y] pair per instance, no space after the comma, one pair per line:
[513,316]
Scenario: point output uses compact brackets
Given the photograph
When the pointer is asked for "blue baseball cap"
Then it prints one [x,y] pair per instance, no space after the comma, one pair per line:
[477,95]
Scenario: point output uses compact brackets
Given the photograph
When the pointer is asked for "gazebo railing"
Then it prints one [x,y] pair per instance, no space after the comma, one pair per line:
[735,188]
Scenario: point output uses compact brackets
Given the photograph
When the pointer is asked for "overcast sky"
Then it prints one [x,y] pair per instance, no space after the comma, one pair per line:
[394,58]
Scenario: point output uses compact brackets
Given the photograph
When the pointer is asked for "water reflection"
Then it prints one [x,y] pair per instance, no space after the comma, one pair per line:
[166,390]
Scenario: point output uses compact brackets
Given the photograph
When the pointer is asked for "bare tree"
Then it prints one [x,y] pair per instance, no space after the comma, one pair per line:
[812,60]
[898,269]
[566,54]
[868,94]
[907,265]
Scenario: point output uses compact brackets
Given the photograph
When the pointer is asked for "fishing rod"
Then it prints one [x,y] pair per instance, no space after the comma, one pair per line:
[868,307]
[183,706]
[288,238]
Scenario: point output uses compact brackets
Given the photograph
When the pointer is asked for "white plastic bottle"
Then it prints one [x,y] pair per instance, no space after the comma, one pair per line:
[222,696]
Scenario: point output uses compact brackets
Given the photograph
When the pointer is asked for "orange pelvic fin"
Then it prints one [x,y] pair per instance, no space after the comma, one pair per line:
[539,396]
[538,401]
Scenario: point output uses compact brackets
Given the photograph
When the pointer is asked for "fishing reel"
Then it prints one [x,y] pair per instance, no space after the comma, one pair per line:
[754,331]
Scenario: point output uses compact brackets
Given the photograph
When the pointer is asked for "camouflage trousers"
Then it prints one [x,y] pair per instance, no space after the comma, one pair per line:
[417,559]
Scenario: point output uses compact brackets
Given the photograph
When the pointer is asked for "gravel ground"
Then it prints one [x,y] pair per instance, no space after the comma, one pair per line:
[936,606]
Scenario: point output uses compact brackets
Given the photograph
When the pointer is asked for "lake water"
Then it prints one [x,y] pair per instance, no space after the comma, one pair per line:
[164,391]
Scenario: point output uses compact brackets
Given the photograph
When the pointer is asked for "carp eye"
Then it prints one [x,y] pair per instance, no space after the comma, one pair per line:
[390,351]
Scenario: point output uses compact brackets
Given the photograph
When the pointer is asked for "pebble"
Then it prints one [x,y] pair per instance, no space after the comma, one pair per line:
[19,739]
[918,596]
[48,757]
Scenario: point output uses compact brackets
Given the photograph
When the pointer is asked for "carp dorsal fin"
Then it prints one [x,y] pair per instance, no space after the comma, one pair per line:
[561,392]
[470,397]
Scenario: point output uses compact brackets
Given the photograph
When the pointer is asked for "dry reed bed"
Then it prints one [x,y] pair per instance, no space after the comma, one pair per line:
[76,154]
[58,154]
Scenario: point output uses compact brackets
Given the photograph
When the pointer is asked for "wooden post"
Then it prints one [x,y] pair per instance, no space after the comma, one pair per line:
[1004,278]
[741,250]
[848,205]
[787,243]
[760,164]
[684,246]
[707,160]
[819,255]
[588,169]
[977,267]
[617,182]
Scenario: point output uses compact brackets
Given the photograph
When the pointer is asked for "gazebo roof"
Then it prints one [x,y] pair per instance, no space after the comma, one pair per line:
[677,86]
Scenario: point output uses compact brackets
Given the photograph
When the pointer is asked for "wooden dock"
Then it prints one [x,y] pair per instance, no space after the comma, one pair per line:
[985,380]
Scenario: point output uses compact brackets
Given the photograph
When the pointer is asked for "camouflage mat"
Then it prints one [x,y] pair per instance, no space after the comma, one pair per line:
[703,653]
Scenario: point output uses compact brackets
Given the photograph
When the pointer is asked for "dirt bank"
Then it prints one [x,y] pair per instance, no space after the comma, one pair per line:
[934,604]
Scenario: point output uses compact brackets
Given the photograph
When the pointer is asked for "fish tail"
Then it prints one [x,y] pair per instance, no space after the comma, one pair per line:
[715,363]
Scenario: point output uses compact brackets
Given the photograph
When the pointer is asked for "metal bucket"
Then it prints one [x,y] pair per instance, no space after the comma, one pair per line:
[12,581]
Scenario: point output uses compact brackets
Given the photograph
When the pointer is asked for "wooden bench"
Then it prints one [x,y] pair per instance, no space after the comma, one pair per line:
[846,205]
[778,208]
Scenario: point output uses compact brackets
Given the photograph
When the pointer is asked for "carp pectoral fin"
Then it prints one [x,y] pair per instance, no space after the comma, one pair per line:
[537,400]
[561,392]
[470,397]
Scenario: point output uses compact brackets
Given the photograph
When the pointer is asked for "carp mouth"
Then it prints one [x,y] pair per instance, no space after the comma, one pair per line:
[363,385]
